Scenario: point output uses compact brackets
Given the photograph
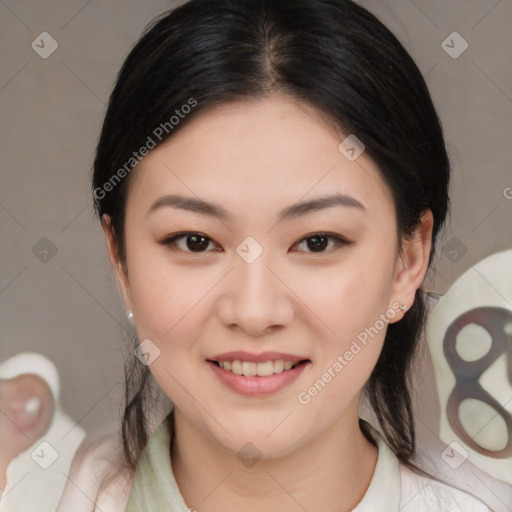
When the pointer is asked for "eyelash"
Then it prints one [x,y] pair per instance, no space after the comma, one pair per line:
[171,240]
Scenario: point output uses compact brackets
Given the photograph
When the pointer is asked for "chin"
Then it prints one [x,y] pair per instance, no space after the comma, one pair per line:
[250,441]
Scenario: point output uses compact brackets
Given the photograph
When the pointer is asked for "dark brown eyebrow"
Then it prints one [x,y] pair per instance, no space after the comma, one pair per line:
[196,205]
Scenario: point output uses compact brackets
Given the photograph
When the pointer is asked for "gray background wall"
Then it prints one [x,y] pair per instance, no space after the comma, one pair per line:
[66,305]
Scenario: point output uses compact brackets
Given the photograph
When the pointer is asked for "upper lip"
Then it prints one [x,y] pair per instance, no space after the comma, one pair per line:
[241,355]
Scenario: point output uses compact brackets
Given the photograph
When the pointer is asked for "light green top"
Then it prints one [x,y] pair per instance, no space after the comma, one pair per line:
[154,488]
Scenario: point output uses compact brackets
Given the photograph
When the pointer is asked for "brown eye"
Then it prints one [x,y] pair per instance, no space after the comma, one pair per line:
[193,242]
[317,242]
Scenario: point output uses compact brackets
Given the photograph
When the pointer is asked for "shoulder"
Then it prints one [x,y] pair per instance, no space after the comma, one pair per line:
[422,494]
[97,479]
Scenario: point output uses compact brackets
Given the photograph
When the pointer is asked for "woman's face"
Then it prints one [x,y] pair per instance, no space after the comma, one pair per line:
[257,274]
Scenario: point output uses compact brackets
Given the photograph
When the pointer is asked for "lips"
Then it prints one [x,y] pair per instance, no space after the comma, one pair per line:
[257,374]
[256,385]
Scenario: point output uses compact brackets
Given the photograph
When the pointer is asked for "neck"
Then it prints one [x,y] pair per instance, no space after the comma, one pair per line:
[331,473]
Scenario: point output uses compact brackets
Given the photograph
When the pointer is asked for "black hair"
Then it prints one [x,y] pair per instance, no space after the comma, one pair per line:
[331,54]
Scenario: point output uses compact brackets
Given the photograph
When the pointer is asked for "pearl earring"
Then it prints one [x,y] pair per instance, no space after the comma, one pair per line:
[129,314]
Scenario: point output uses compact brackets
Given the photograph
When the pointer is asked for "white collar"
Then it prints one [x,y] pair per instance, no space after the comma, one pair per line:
[383,492]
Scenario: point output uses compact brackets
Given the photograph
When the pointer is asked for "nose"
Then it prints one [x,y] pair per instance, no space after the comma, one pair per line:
[256,298]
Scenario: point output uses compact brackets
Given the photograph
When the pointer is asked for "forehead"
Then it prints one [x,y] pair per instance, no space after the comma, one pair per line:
[269,152]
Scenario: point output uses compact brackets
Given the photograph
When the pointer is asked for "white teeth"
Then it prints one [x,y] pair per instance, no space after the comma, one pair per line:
[236,367]
[251,369]
[278,366]
[265,369]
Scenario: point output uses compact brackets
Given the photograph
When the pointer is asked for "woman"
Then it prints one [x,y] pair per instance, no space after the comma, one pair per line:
[272,178]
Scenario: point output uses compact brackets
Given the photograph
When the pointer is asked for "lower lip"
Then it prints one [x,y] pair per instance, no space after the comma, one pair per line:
[257,386]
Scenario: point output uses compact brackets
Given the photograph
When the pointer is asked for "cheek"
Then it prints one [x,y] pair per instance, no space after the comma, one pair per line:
[165,297]
[349,298]
[360,317]
[354,302]
[169,306]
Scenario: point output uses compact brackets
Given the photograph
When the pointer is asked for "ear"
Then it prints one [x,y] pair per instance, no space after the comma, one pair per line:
[412,262]
[119,268]
[28,406]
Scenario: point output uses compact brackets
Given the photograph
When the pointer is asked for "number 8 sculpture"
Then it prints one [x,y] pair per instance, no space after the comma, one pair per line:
[469,333]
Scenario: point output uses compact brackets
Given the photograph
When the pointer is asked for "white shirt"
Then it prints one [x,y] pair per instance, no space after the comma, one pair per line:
[394,487]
